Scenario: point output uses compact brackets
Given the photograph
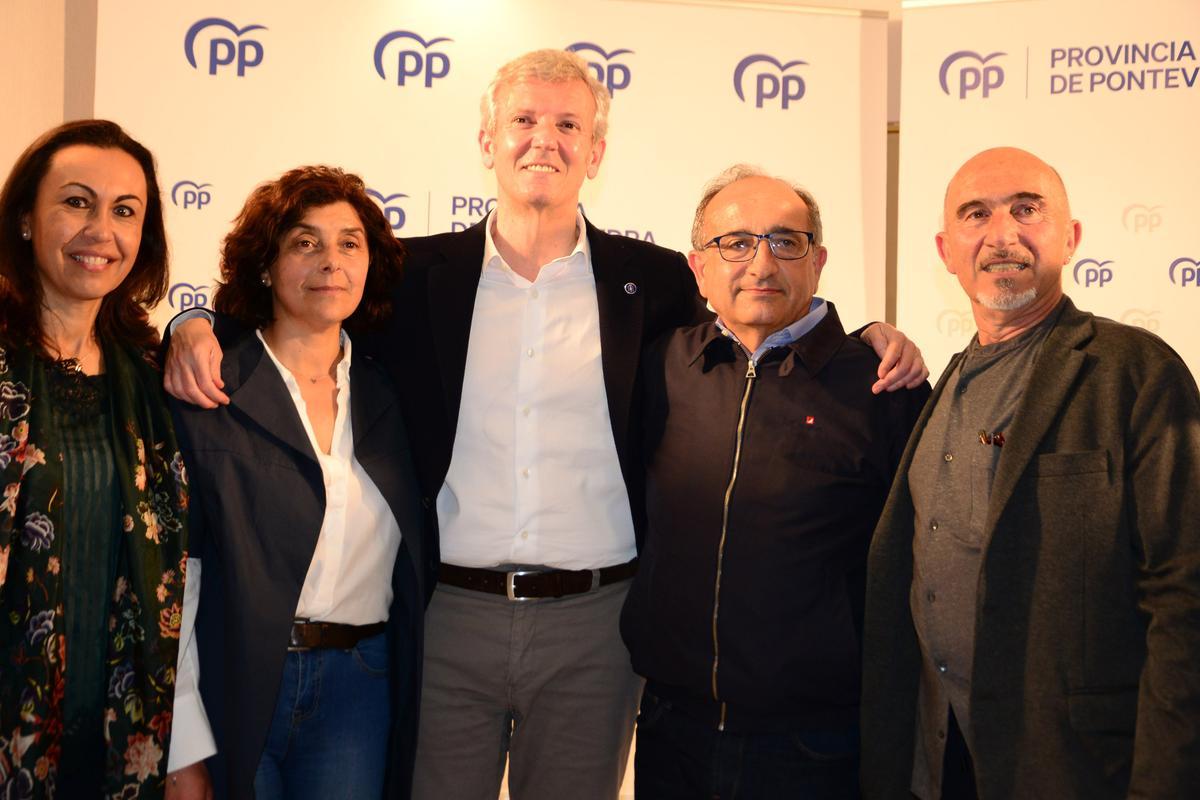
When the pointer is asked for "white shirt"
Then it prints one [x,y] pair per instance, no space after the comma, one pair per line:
[534,477]
[349,579]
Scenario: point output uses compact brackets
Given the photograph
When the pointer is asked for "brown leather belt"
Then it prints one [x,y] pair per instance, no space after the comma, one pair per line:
[330,635]
[530,584]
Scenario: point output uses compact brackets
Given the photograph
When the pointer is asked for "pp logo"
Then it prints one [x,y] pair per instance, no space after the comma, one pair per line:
[952,322]
[391,207]
[1187,270]
[1141,219]
[1095,273]
[770,84]
[225,51]
[971,76]
[183,296]
[1142,318]
[613,75]
[192,194]
[414,63]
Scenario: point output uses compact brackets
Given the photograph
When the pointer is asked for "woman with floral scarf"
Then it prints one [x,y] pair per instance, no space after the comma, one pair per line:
[92,511]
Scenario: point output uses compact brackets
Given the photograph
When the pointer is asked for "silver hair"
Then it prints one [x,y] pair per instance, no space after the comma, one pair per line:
[552,66]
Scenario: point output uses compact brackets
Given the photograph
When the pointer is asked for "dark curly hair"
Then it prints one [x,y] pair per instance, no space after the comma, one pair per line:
[275,208]
[123,313]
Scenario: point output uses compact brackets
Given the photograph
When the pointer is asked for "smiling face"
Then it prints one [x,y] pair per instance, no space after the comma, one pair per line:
[86,225]
[758,297]
[541,147]
[1008,233]
[317,280]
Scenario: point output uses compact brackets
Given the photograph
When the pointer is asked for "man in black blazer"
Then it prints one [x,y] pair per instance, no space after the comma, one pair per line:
[469,321]
[516,345]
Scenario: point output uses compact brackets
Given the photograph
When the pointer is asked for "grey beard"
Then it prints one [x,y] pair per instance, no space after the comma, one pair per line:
[1005,299]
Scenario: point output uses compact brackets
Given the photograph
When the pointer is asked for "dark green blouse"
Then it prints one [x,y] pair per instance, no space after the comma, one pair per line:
[91,531]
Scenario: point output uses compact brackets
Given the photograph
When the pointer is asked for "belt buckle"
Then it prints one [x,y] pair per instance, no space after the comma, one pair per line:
[509,584]
[294,644]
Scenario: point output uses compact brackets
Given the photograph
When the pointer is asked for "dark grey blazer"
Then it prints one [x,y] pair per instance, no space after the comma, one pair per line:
[1086,680]
[257,502]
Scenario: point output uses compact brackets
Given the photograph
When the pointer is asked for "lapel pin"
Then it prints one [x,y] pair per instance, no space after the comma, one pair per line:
[631,288]
[996,438]
[810,420]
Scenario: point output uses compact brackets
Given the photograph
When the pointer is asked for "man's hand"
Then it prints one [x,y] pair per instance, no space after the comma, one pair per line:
[193,370]
[900,365]
[189,783]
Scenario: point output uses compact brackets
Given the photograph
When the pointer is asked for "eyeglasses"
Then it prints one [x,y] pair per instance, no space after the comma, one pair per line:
[742,246]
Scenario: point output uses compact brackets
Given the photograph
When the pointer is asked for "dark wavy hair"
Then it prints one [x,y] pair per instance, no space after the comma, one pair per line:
[275,208]
[123,313]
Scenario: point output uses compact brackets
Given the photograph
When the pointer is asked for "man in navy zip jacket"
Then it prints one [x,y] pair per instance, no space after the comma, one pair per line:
[768,462]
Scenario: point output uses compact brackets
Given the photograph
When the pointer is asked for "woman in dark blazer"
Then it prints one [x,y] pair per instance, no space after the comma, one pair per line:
[305,508]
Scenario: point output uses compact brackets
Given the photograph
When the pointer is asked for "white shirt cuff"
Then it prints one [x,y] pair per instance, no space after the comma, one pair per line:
[191,735]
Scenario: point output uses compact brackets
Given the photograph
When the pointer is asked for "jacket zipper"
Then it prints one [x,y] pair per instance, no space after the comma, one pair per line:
[737,456]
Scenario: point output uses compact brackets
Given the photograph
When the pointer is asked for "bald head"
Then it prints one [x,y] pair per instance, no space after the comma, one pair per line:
[988,167]
[1006,235]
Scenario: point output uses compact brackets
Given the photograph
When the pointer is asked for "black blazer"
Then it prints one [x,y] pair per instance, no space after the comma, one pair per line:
[257,502]
[643,291]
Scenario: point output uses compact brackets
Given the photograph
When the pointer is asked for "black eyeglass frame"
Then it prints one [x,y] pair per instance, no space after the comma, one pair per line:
[759,238]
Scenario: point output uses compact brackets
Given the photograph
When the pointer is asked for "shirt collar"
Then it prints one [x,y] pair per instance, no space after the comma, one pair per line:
[781,338]
[494,266]
[816,347]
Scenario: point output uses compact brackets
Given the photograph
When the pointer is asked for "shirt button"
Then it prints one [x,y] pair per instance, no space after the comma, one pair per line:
[931,595]
[529,352]
[941,667]
[525,473]
[525,411]
[949,457]
[941,734]
[534,294]
[933,526]
[524,534]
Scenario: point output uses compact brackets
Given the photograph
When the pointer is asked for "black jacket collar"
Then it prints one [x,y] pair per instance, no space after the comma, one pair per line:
[814,349]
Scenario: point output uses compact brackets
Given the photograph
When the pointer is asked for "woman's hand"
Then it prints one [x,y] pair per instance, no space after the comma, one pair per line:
[189,783]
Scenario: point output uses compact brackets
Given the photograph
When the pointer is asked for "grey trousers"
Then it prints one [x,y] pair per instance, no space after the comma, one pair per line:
[546,682]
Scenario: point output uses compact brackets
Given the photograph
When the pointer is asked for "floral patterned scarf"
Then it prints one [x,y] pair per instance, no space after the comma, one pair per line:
[146,602]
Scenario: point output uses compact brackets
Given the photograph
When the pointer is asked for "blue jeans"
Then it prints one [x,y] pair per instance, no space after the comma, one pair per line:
[680,758]
[329,735]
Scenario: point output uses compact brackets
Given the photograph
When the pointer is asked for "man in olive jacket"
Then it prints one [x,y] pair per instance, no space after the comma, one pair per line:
[1033,600]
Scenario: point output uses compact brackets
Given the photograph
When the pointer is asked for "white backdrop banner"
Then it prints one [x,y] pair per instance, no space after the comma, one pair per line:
[229,94]
[1106,92]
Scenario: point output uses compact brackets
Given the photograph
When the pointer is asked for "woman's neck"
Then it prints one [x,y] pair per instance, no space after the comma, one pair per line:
[71,334]
[311,355]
